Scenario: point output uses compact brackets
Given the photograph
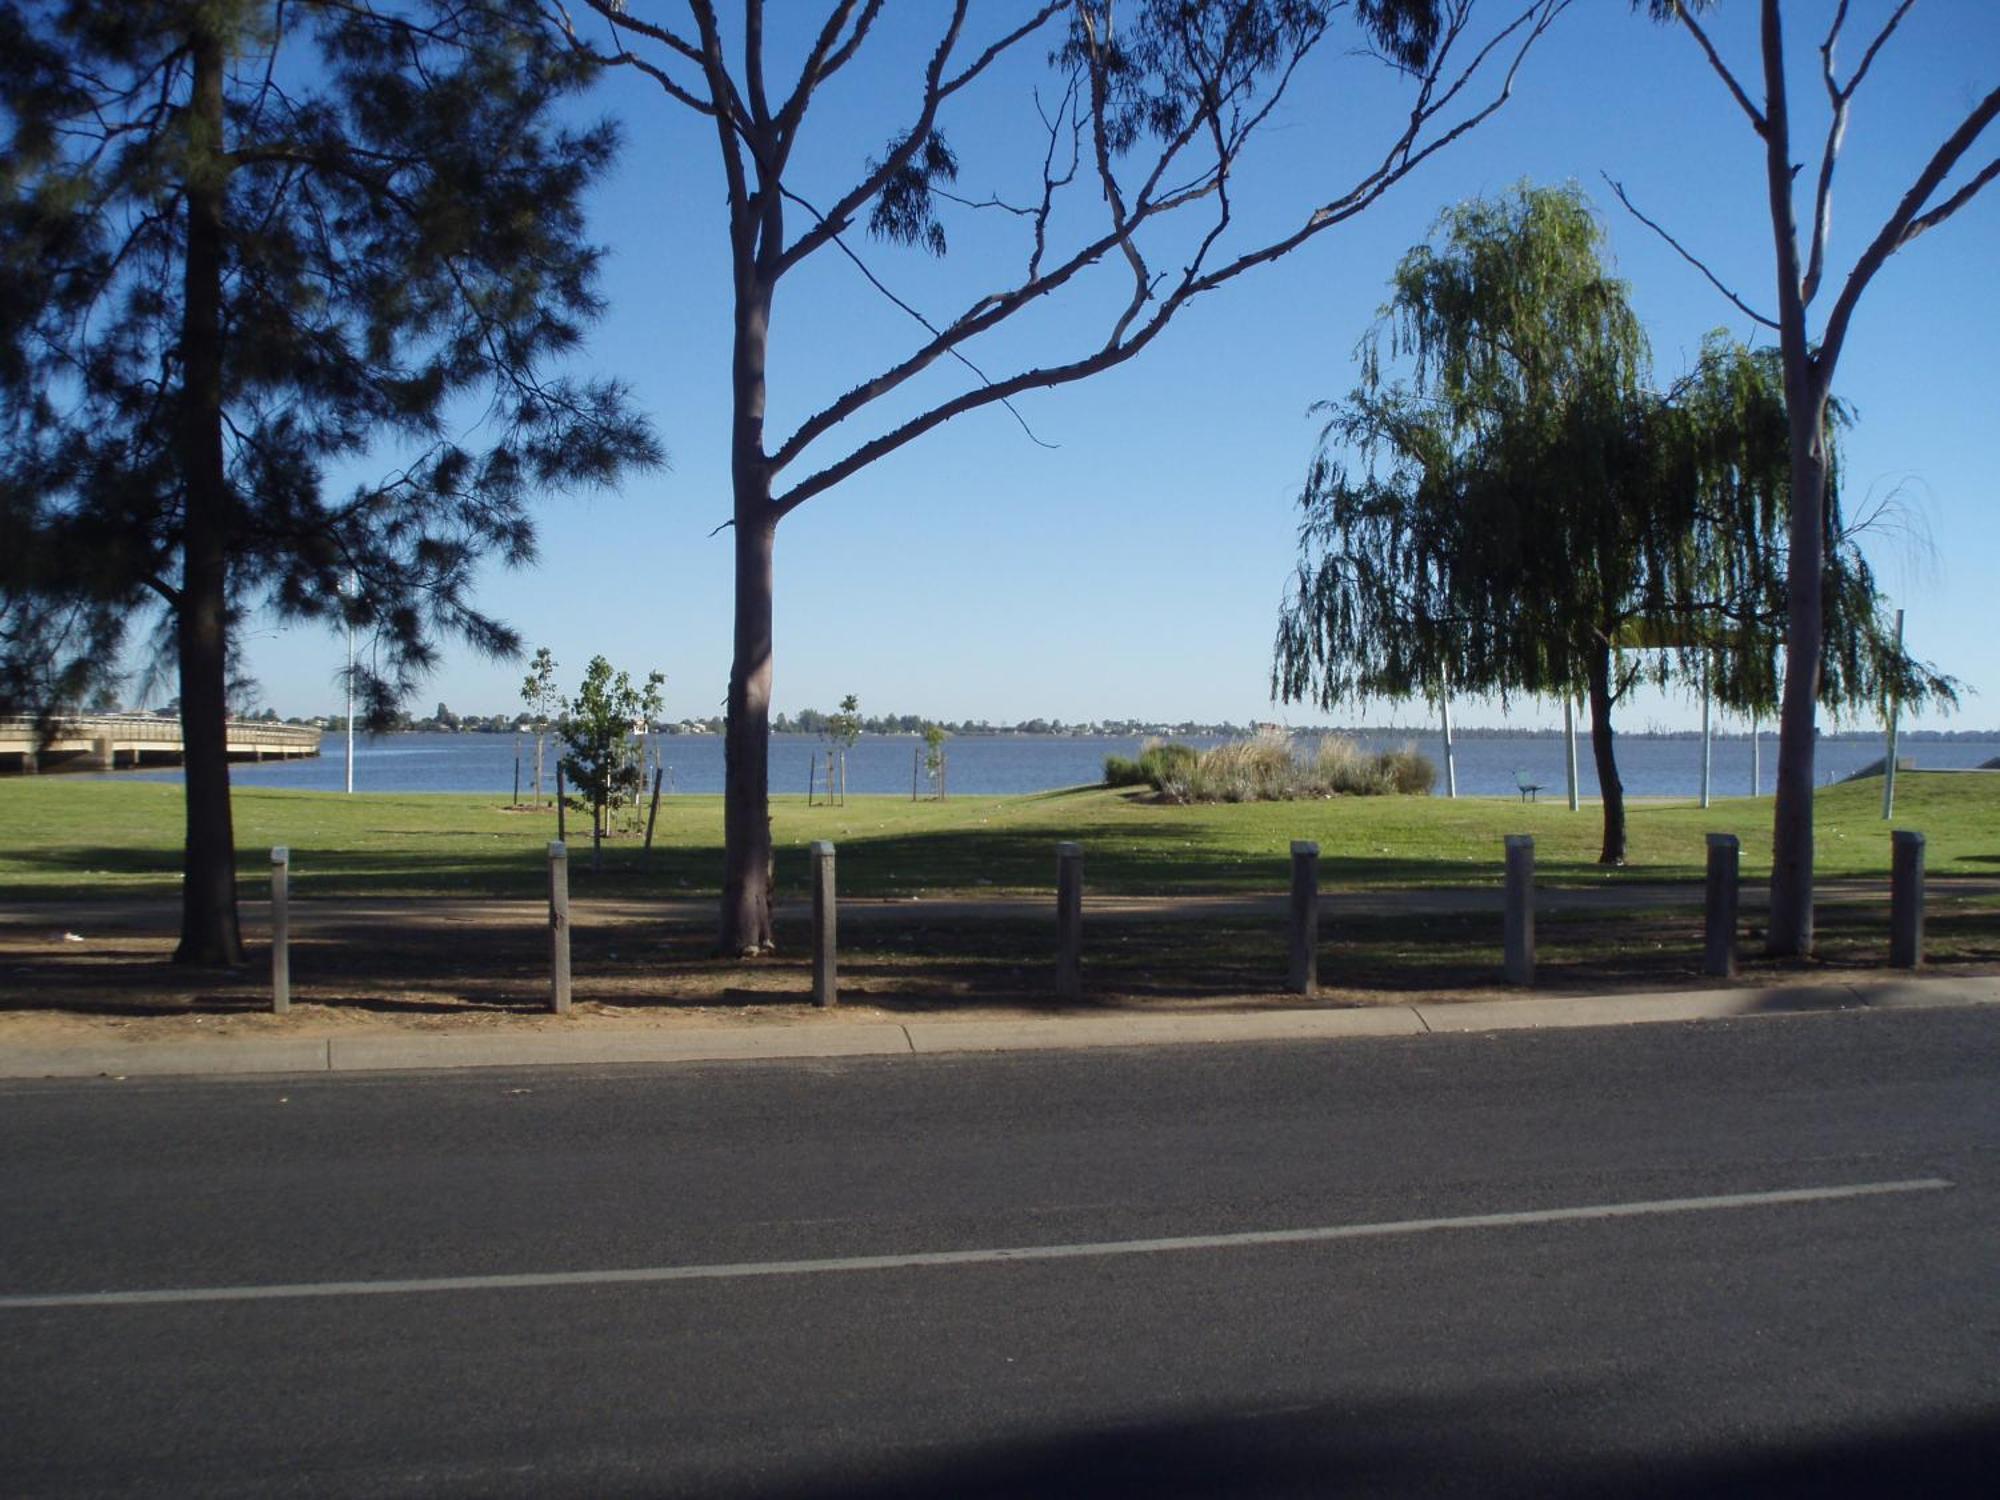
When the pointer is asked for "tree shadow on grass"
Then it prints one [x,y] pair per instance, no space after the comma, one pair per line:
[1120,857]
[913,961]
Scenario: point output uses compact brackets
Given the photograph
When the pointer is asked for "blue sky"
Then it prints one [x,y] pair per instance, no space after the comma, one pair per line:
[1135,569]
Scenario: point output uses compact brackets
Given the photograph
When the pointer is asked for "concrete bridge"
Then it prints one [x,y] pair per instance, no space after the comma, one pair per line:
[106,742]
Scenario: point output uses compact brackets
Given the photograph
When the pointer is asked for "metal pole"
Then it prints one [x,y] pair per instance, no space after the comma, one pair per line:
[1756,760]
[1444,711]
[1707,759]
[281,931]
[1889,762]
[1569,743]
[350,708]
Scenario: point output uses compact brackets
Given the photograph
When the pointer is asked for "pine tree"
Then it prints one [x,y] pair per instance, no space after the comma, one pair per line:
[248,251]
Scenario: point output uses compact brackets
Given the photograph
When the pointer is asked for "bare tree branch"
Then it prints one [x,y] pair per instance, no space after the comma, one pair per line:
[842,213]
[1681,250]
[1721,68]
[1838,98]
[1868,57]
[931,328]
[1909,218]
[1126,340]
[821,63]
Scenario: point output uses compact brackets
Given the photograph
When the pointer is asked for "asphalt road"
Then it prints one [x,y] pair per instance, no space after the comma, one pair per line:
[778,1278]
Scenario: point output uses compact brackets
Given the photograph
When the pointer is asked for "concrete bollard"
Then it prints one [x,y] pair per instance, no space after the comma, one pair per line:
[1906,899]
[1069,921]
[825,984]
[559,927]
[1519,942]
[1302,975]
[1718,953]
[281,931]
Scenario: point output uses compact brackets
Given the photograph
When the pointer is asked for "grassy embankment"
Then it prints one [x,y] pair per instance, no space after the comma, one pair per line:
[71,838]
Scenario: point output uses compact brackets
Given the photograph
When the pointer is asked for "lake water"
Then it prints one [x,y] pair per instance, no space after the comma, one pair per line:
[994,764]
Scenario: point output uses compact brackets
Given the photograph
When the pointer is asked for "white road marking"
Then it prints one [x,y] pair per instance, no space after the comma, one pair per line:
[924,1259]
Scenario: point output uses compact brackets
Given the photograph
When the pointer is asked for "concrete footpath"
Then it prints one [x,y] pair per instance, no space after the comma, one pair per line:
[384,1052]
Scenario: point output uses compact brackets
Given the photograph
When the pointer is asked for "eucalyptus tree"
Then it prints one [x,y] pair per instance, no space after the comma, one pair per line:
[1951,176]
[1529,516]
[1122,213]
[247,246]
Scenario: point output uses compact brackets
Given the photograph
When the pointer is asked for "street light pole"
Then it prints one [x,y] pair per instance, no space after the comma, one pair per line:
[347,591]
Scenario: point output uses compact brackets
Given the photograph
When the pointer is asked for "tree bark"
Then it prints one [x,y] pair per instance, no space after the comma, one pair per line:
[1791,930]
[1790,934]
[746,816]
[746,806]
[1612,851]
[209,930]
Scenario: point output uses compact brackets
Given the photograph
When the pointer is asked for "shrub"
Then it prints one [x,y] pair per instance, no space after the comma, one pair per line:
[1165,761]
[1410,774]
[1120,771]
[1266,770]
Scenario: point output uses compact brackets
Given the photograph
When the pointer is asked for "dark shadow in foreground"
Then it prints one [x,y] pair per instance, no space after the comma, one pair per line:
[1337,1450]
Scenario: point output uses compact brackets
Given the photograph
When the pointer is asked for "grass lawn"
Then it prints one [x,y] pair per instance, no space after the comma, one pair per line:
[70,838]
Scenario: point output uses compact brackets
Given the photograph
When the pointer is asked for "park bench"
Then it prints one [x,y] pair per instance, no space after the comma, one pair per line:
[1530,790]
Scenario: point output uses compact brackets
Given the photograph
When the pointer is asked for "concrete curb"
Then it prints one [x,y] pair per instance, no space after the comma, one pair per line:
[378,1052]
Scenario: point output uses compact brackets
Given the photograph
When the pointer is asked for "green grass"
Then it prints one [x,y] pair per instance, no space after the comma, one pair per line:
[75,838]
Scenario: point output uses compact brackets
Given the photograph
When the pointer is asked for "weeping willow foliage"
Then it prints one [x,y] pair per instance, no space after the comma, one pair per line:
[1524,513]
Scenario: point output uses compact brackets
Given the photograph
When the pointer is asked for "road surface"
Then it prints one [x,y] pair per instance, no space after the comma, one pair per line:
[1758,1256]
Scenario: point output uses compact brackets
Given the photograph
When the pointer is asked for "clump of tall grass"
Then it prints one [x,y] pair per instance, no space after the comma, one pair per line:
[1269,769]
[1159,761]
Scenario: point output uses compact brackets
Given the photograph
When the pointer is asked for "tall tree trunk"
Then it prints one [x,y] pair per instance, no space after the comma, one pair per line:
[746,745]
[209,931]
[1612,789]
[1791,931]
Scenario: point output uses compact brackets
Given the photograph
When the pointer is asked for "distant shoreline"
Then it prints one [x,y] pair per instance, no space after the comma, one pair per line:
[1766,732]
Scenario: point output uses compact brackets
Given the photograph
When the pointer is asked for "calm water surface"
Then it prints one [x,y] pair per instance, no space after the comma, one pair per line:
[998,764]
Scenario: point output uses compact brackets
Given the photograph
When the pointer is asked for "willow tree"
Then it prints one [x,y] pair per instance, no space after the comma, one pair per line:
[1955,172]
[248,243]
[1528,516]
[1121,212]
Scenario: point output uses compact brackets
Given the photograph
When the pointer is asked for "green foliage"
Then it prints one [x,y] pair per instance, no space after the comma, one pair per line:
[539,691]
[598,726]
[1160,762]
[1529,515]
[844,728]
[1525,502]
[1269,769]
[1122,770]
[396,262]
[934,759]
